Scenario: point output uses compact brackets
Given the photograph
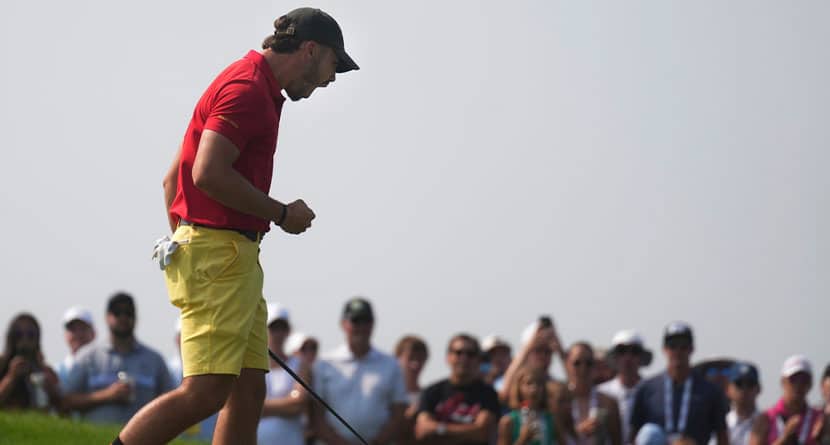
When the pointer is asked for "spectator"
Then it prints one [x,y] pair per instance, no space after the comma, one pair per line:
[603,371]
[682,403]
[461,409]
[595,415]
[539,342]
[825,389]
[204,429]
[79,330]
[791,420]
[304,348]
[26,381]
[529,421]
[362,384]
[742,390]
[412,353]
[497,357]
[109,383]
[285,399]
[627,355]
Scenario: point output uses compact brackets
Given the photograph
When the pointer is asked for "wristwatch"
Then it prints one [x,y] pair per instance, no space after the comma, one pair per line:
[441,428]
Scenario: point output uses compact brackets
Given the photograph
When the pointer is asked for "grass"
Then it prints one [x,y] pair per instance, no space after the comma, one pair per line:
[28,428]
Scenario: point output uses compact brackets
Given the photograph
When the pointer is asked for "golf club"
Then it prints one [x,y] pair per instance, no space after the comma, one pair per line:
[316,397]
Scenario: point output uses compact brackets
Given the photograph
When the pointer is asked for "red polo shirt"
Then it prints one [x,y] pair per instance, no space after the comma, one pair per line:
[243,104]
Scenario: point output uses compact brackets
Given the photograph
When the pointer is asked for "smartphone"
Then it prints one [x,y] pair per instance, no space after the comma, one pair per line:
[545,322]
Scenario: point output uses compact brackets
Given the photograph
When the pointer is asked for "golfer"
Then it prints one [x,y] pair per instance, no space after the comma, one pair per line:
[217,198]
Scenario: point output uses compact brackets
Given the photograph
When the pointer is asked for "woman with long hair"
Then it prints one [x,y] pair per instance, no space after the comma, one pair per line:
[529,421]
[596,416]
[26,381]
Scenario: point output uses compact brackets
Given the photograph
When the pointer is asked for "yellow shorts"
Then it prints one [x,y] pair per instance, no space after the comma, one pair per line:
[216,280]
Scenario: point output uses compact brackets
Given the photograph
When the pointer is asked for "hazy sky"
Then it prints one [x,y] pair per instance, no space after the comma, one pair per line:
[614,164]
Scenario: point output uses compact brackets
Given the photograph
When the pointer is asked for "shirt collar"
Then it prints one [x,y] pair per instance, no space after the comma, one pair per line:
[344,353]
[136,347]
[265,69]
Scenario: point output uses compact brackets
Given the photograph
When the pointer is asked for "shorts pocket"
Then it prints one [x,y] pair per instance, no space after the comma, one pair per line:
[213,260]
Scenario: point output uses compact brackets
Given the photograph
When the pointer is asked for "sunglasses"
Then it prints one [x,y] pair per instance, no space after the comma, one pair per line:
[628,350]
[745,384]
[678,344]
[467,352]
[29,334]
[123,312]
[542,350]
[580,363]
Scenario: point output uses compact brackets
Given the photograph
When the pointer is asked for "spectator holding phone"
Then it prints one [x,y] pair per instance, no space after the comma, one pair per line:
[26,381]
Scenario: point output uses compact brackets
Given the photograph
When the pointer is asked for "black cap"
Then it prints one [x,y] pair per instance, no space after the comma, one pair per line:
[358,309]
[314,24]
[743,371]
[678,329]
[119,299]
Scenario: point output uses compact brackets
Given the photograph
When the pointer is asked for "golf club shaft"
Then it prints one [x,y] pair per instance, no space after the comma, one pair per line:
[314,394]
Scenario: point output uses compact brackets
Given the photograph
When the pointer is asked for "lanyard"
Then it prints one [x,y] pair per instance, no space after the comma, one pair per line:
[670,426]
[805,426]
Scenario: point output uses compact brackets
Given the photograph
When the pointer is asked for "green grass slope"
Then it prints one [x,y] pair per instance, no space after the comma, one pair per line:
[26,428]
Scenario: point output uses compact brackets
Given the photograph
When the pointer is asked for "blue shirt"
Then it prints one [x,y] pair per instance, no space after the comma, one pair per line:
[97,367]
[706,408]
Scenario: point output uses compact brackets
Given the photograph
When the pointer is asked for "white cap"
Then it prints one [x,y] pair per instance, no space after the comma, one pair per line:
[795,364]
[276,312]
[294,342]
[492,341]
[627,337]
[78,313]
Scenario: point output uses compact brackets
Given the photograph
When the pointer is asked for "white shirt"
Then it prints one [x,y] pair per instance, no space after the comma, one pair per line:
[625,400]
[361,390]
[739,430]
[276,429]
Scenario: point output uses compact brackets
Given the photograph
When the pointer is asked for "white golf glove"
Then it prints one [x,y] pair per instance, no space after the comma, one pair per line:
[163,251]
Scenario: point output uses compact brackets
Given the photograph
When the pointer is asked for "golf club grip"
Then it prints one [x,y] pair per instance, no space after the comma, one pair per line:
[314,394]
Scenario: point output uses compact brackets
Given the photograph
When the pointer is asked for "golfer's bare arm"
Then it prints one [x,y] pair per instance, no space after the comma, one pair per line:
[389,431]
[213,174]
[169,183]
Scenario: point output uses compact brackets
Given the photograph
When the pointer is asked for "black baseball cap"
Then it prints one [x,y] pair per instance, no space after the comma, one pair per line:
[121,298]
[358,309]
[314,24]
[743,371]
[678,329]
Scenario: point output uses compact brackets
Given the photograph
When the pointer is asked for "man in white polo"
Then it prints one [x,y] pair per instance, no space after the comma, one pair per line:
[362,384]
[79,330]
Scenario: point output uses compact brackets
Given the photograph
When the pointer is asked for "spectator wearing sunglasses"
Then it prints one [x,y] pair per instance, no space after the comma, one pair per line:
[461,409]
[682,403]
[742,390]
[78,331]
[627,355]
[110,383]
[596,416]
[26,381]
[361,383]
[791,420]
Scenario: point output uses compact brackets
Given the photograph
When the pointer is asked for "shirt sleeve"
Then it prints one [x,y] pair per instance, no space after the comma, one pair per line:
[76,378]
[429,400]
[490,401]
[165,380]
[236,112]
[399,395]
[719,410]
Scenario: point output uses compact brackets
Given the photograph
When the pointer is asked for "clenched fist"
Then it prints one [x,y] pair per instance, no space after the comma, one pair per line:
[297,217]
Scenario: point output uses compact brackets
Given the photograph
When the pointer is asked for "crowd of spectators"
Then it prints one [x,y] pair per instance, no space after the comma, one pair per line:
[492,394]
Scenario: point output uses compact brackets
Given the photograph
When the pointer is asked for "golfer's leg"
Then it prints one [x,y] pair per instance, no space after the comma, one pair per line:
[167,416]
[239,418]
